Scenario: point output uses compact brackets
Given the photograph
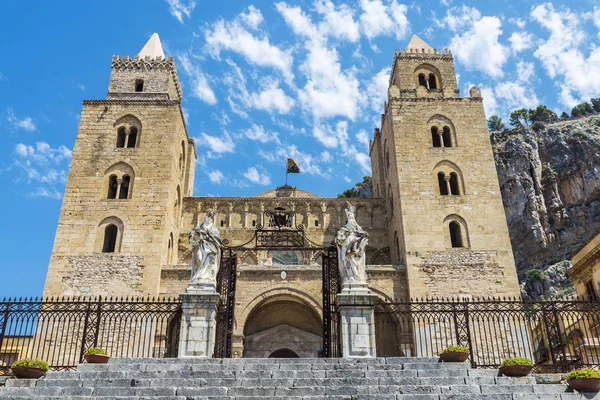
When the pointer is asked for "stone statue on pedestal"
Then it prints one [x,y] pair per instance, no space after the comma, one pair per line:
[206,244]
[351,241]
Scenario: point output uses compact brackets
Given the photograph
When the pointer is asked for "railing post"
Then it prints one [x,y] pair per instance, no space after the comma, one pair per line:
[462,329]
[4,322]
[88,311]
[468,332]
[98,316]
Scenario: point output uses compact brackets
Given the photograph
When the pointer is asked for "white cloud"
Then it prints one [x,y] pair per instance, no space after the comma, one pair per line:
[516,95]
[525,71]
[260,178]
[377,89]
[519,22]
[271,98]
[233,36]
[476,42]
[378,19]
[45,192]
[561,53]
[42,165]
[347,179]
[21,123]
[338,22]
[326,156]
[223,144]
[180,9]
[363,138]
[258,132]
[200,86]
[490,104]
[253,18]
[216,176]
[43,153]
[307,163]
[520,41]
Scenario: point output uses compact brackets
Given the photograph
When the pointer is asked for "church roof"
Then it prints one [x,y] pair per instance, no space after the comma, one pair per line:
[418,43]
[286,191]
[152,48]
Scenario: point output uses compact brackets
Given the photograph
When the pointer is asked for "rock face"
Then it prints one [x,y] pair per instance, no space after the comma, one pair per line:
[550,182]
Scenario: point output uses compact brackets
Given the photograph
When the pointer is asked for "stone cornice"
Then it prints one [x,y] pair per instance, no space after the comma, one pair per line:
[586,262]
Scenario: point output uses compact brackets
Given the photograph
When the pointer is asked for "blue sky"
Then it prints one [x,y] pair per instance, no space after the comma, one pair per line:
[262,80]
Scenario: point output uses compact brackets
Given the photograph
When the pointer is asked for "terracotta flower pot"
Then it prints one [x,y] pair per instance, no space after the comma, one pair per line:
[96,358]
[454,356]
[585,384]
[516,370]
[28,373]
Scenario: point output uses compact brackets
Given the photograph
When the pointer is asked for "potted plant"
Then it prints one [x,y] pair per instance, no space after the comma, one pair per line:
[516,366]
[454,354]
[29,369]
[584,380]
[96,355]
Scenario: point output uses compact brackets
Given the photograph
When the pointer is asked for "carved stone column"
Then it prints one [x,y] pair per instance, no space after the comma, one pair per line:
[357,322]
[198,324]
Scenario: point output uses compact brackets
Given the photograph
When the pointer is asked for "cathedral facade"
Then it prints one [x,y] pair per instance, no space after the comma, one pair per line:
[436,220]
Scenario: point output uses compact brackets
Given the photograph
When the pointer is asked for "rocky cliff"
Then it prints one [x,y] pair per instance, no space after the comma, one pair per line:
[550,182]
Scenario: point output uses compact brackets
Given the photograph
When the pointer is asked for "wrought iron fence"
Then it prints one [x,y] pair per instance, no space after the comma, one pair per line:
[59,331]
[557,335]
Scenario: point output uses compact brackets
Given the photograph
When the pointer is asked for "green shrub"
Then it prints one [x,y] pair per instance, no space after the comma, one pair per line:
[455,349]
[92,351]
[28,363]
[516,361]
[583,373]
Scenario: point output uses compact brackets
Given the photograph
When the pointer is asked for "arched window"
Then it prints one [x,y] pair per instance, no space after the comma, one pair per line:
[124,190]
[432,82]
[387,160]
[132,139]
[435,137]
[397,242]
[446,137]
[284,257]
[454,188]
[121,137]
[110,238]
[422,81]
[112,187]
[442,183]
[391,205]
[139,85]
[455,234]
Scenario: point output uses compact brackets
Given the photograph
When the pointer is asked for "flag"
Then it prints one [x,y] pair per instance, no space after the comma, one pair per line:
[292,167]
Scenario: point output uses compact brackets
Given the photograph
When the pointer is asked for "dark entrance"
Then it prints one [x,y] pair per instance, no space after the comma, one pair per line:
[280,233]
[283,353]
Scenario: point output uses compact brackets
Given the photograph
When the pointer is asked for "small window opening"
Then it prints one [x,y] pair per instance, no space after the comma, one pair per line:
[132,140]
[139,85]
[316,222]
[110,239]
[124,192]
[432,82]
[253,222]
[454,184]
[121,137]
[422,81]
[112,187]
[391,206]
[222,223]
[446,137]
[435,137]
[442,184]
[455,234]
[590,291]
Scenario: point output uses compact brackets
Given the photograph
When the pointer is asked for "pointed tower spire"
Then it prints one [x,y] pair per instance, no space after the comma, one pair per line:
[418,43]
[152,48]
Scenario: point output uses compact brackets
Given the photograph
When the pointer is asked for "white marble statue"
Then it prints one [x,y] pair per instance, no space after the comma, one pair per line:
[206,244]
[351,241]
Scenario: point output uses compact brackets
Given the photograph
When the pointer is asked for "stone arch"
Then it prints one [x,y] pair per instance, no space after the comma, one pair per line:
[381,257]
[281,319]
[237,217]
[444,128]
[115,179]
[423,75]
[128,124]
[447,170]
[316,216]
[391,200]
[331,217]
[101,231]
[252,217]
[363,216]
[378,217]
[451,222]
[222,217]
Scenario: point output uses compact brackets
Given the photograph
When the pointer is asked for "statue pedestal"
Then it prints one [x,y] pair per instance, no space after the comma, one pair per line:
[198,323]
[357,320]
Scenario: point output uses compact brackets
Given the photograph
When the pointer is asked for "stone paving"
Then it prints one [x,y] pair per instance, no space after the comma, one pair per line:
[296,379]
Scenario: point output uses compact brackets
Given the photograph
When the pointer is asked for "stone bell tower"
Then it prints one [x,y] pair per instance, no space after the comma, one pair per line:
[133,162]
[433,163]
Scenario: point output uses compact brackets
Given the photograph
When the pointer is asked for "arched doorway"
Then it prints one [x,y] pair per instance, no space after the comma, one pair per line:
[283,353]
[282,326]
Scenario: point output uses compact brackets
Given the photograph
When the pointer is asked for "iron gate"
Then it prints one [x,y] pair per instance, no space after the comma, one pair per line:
[331,287]
[226,287]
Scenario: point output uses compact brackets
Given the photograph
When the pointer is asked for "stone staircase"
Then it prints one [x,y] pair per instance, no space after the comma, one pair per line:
[297,379]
